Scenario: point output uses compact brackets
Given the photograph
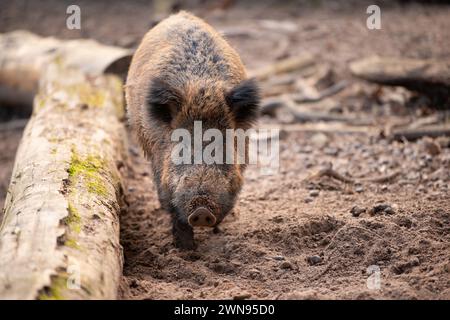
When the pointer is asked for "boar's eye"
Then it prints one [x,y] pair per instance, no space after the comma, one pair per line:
[163,101]
[243,101]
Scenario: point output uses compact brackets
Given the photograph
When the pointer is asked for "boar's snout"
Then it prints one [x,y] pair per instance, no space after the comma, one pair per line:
[202,217]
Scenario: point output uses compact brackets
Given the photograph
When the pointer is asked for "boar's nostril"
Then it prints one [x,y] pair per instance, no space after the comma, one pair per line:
[202,217]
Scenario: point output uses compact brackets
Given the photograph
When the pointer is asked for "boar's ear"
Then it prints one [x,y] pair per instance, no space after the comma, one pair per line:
[163,101]
[243,101]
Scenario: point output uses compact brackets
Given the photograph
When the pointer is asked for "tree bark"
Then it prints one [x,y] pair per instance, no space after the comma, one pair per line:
[24,57]
[59,232]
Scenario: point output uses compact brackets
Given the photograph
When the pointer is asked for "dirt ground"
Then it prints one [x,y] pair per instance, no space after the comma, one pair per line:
[293,236]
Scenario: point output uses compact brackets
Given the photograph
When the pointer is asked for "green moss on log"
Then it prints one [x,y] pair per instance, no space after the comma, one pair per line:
[117,99]
[73,219]
[39,103]
[87,94]
[55,290]
[71,243]
[89,169]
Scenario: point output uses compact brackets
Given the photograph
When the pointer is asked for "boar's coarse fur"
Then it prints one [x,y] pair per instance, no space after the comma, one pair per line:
[184,71]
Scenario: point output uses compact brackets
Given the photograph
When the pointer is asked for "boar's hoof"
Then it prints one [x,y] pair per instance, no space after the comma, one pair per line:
[183,235]
[202,217]
[185,244]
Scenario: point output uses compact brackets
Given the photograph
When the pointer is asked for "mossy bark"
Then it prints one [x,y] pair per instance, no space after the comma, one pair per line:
[59,232]
[25,56]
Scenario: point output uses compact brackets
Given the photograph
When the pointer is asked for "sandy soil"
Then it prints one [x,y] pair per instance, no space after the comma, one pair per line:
[284,224]
[293,236]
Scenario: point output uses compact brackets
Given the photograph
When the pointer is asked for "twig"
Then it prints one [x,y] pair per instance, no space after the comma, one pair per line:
[283,45]
[284,66]
[331,127]
[279,25]
[323,74]
[330,172]
[276,90]
[331,90]
[414,134]
[270,105]
[307,116]
[282,80]
[426,121]
[238,32]
[382,179]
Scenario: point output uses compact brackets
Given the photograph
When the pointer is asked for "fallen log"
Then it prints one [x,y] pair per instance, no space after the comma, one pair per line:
[430,77]
[24,56]
[59,231]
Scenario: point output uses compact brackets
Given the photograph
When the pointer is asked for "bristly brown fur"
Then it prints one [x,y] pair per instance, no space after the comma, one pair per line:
[184,71]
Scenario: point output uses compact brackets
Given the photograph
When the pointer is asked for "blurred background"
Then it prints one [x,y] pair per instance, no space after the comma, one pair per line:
[338,118]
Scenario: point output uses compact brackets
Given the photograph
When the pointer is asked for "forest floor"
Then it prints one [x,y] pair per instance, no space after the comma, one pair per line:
[292,235]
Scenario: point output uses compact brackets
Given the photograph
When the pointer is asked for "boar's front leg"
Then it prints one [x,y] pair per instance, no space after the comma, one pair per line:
[183,234]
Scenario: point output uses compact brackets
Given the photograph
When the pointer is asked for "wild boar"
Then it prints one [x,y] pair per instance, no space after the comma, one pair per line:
[185,71]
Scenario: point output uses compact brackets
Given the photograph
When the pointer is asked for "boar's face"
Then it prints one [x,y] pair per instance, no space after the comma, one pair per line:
[199,191]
